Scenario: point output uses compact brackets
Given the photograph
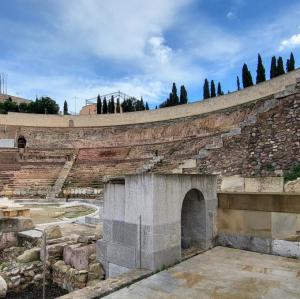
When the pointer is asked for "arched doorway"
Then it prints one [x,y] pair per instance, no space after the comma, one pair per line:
[193,220]
[21,142]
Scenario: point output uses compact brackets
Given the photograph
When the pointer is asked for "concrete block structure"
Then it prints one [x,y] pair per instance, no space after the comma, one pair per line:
[149,218]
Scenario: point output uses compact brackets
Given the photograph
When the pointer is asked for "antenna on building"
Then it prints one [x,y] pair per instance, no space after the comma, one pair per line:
[3,83]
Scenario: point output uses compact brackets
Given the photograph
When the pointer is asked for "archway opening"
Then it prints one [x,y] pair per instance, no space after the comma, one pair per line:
[21,142]
[193,220]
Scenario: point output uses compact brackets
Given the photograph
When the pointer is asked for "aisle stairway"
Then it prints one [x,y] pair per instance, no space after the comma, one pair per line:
[56,189]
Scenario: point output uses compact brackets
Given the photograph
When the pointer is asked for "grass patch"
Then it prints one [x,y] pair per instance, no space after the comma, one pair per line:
[77,211]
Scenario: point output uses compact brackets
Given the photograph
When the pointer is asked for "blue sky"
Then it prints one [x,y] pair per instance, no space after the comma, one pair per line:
[68,48]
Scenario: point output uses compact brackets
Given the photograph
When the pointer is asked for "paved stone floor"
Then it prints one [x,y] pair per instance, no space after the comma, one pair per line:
[221,273]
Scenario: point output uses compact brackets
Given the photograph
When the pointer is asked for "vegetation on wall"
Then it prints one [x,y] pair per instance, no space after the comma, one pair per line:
[293,174]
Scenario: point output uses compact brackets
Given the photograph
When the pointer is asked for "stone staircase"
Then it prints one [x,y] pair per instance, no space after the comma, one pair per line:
[56,189]
[150,164]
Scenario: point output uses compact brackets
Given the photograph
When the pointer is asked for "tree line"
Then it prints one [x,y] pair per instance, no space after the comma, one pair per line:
[173,99]
[276,69]
[128,105]
[42,105]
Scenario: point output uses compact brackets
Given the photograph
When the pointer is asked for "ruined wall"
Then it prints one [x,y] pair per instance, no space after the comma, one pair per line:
[247,95]
[257,138]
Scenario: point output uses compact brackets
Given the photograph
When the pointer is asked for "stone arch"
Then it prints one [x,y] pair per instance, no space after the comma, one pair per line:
[21,142]
[193,220]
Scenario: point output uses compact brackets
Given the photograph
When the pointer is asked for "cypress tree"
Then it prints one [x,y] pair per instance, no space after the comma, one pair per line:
[238,83]
[66,112]
[288,66]
[212,89]
[273,68]
[175,99]
[261,72]
[292,62]
[142,105]
[247,77]
[206,92]
[147,106]
[112,105]
[219,91]
[280,67]
[170,101]
[99,104]
[118,107]
[104,106]
[183,95]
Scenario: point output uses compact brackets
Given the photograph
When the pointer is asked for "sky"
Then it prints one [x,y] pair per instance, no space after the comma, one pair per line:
[81,48]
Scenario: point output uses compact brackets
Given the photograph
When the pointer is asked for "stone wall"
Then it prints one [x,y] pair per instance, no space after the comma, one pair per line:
[247,95]
[142,220]
[253,139]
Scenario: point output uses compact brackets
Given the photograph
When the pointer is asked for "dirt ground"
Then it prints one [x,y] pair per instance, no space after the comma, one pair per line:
[54,213]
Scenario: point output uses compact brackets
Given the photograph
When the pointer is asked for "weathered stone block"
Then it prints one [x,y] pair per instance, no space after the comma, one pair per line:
[3,287]
[15,224]
[233,183]
[286,248]
[8,239]
[29,255]
[121,255]
[77,256]
[96,271]
[292,186]
[53,232]
[284,225]
[264,184]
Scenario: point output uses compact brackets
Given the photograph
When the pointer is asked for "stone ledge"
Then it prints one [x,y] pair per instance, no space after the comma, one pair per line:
[108,286]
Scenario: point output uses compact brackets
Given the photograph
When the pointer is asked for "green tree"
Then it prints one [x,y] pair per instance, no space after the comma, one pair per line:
[147,106]
[261,71]
[212,89]
[118,107]
[291,62]
[23,107]
[43,105]
[104,109]
[112,105]
[99,105]
[288,65]
[206,92]
[219,90]
[238,84]
[273,70]
[247,77]
[66,110]
[175,99]
[183,95]
[280,67]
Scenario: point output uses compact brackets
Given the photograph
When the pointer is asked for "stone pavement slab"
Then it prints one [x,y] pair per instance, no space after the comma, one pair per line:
[221,273]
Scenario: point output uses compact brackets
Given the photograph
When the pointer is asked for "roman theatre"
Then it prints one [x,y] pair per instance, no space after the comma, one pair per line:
[203,179]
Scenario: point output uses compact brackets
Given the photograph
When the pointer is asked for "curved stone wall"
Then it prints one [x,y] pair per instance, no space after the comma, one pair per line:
[247,95]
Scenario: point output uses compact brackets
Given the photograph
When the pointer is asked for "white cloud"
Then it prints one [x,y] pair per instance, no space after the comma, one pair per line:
[113,28]
[230,15]
[290,43]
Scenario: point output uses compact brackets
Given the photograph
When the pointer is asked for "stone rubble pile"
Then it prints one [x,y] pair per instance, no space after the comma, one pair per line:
[70,261]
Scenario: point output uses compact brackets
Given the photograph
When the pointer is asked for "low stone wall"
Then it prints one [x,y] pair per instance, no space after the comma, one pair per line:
[82,192]
[105,287]
[249,94]
[263,222]
[19,276]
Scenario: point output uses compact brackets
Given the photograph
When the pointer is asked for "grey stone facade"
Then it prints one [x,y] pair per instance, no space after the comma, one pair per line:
[144,220]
